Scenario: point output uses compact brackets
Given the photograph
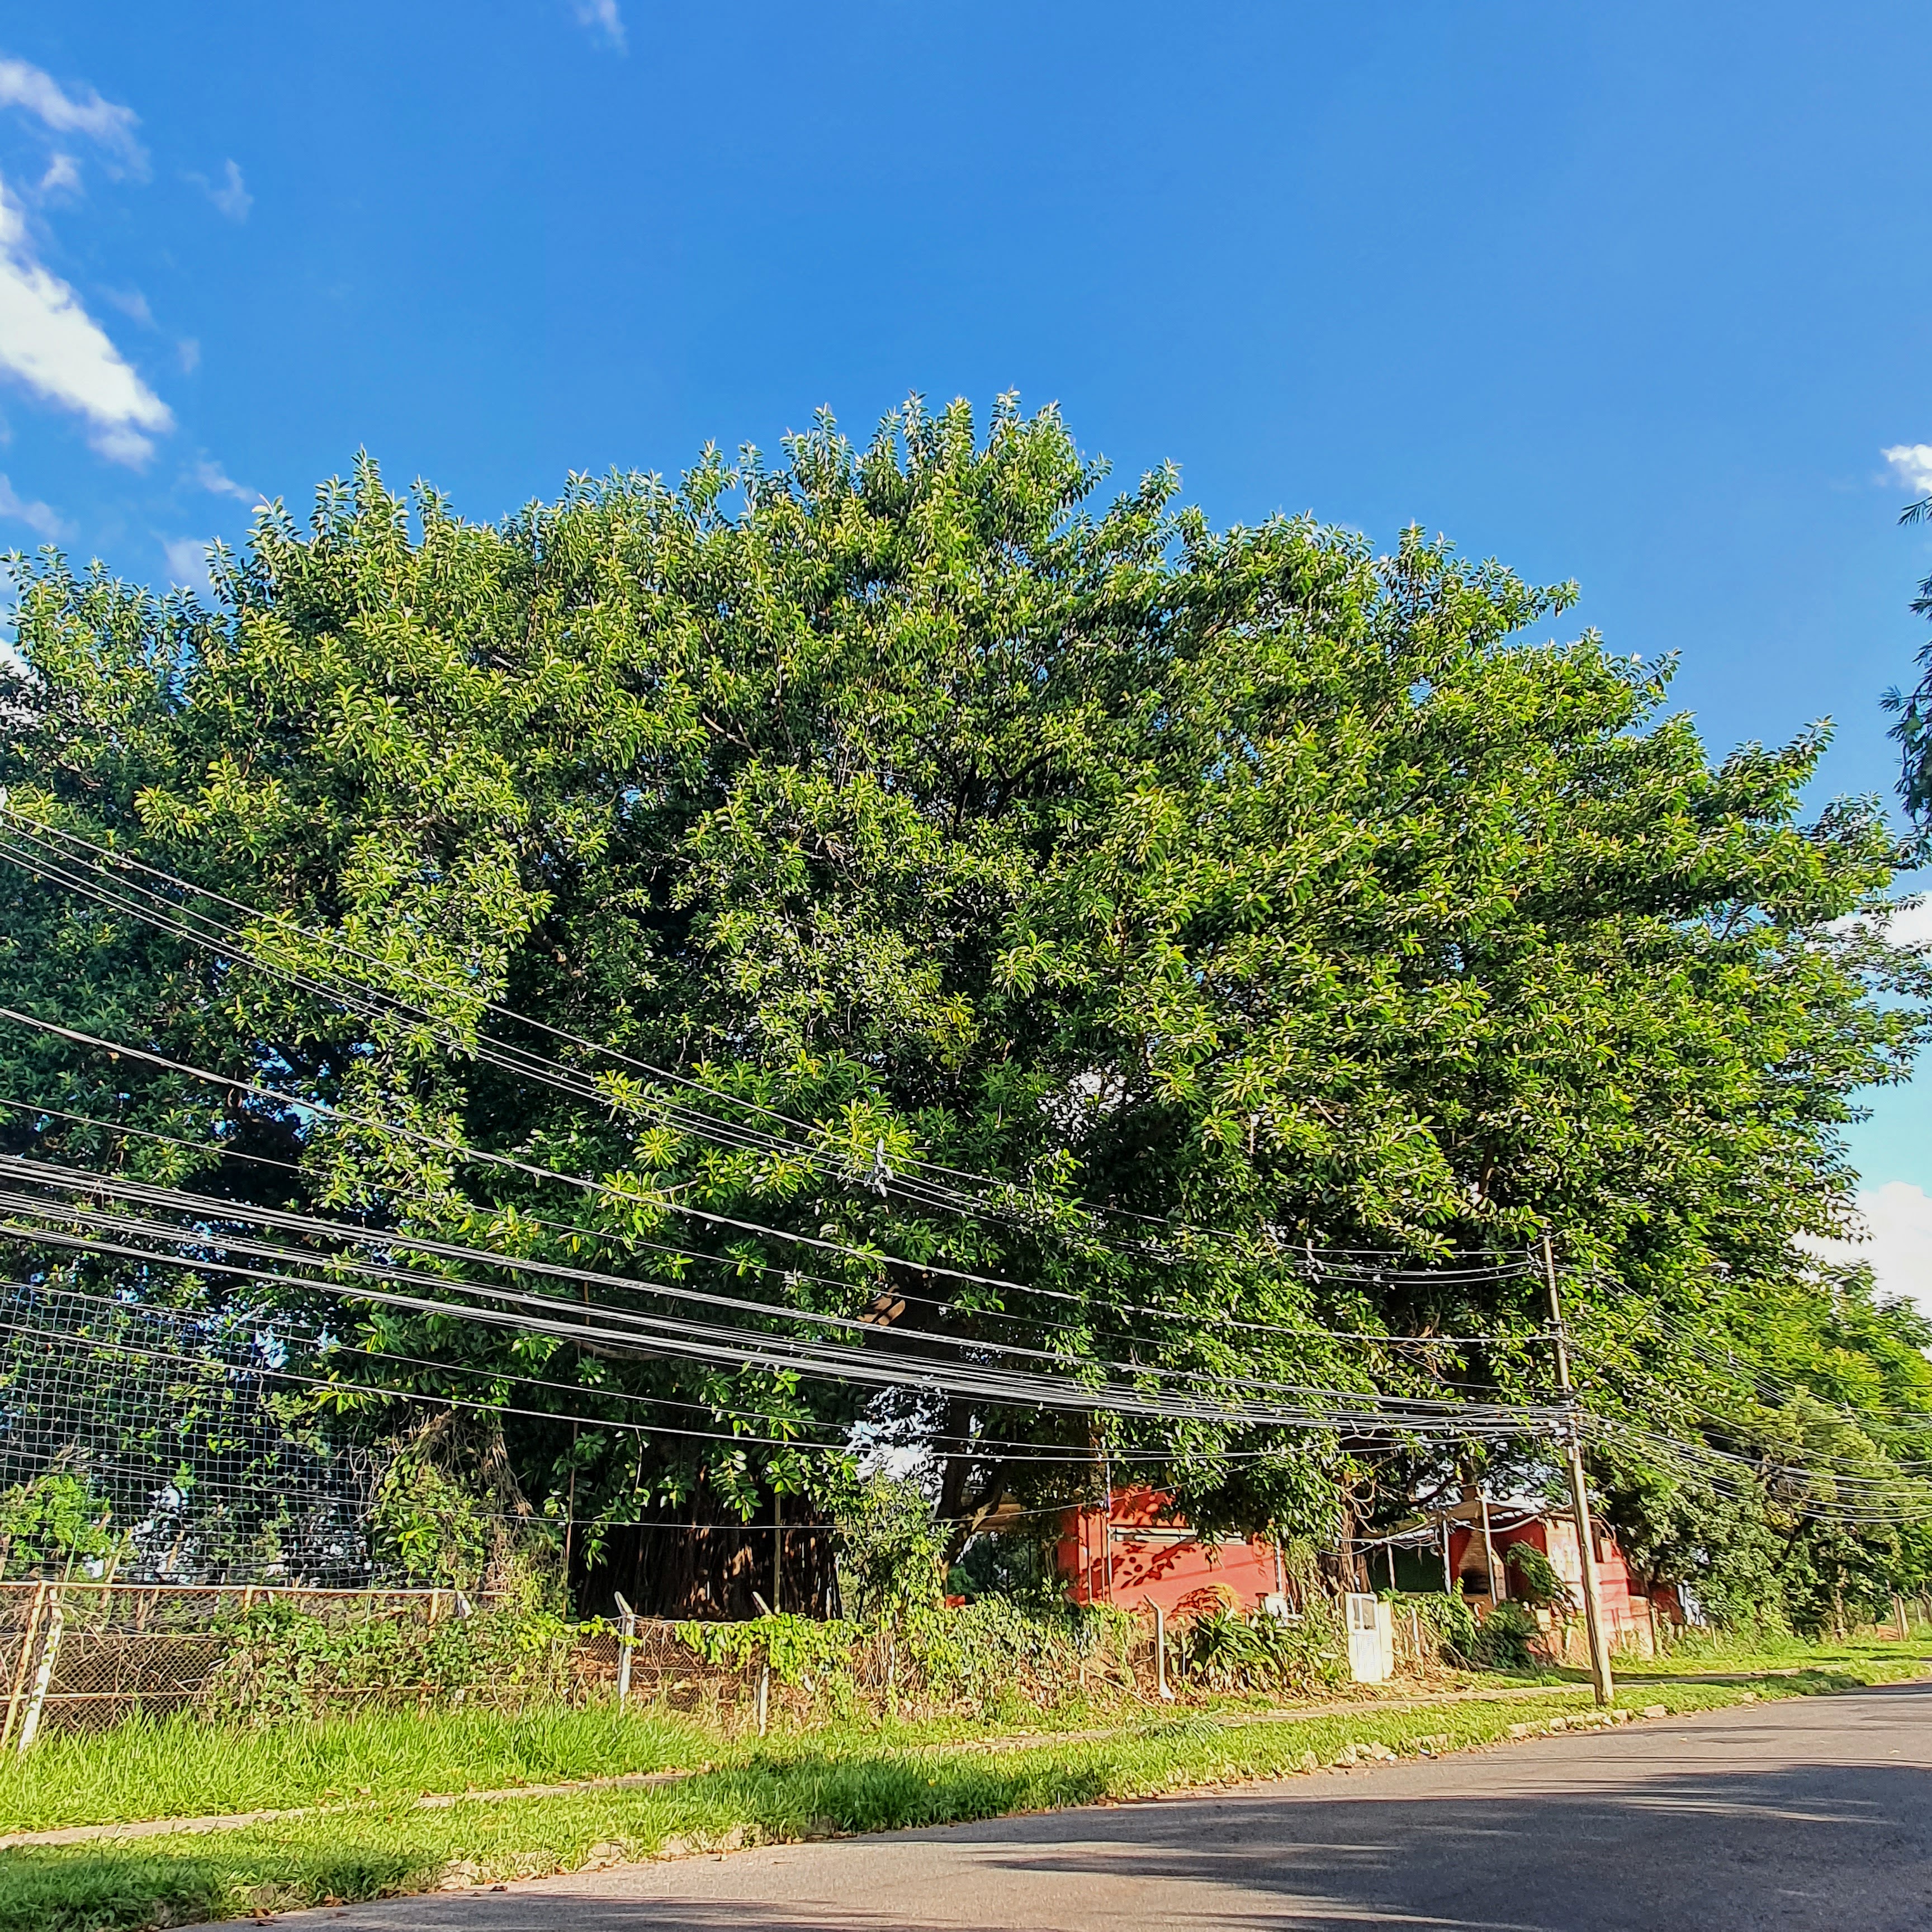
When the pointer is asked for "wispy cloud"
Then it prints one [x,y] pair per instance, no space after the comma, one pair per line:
[187,353]
[49,342]
[1912,925]
[231,195]
[1913,463]
[26,86]
[603,19]
[186,561]
[41,517]
[132,303]
[62,177]
[217,482]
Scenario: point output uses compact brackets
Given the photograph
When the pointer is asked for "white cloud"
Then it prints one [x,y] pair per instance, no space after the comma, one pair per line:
[1913,462]
[232,198]
[1909,924]
[24,86]
[1913,926]
[188,352]
[1898,1240]
[41,517]
[63,176]
[217,482]
[51,343]
[602,18]
[188,561]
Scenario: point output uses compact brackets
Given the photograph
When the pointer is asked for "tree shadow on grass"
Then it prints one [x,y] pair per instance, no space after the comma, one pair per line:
[43,1891]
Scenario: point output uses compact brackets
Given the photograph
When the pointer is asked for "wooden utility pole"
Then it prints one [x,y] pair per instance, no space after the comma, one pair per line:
[1579,1497]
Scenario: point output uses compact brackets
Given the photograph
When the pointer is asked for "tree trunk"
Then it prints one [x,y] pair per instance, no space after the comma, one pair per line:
[697,1563]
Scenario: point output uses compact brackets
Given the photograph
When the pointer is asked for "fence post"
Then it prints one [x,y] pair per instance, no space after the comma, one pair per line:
[30,1725]
[27,1637]
[764,1694]
[627,1639]
[1160,1653]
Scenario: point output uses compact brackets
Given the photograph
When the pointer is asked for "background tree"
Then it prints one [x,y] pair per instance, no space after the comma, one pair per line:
[1914,709]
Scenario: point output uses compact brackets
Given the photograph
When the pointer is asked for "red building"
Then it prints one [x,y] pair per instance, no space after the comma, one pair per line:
[1145,1555]
[1481,1535]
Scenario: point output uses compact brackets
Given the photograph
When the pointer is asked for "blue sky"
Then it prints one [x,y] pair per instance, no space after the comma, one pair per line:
[1638,296]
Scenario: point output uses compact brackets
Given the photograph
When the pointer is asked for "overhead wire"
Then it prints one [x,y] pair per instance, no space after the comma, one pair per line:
[708,1341]
[1334,1264]
[737,1262]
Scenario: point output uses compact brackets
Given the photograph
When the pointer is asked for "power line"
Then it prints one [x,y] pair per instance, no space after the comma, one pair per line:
[742,1348]
[1335,1263]
[738,1263]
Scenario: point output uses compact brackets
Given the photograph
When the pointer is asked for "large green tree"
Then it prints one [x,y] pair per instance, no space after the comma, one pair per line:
[1216,897]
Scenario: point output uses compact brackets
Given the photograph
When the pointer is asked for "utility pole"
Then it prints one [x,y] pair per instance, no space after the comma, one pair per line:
[1580,1497]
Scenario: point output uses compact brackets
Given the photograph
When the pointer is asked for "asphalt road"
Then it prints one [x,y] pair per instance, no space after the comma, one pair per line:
[1814,1813]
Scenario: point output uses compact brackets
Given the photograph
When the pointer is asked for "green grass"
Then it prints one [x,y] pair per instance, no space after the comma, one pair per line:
[854,1779]
[1767,1651]
[180,1769]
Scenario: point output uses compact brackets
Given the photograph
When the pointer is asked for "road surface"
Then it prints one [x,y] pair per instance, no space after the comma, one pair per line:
[1816,1813]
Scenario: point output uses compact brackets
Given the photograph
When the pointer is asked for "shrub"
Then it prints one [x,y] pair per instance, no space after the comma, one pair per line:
[1225,1651]
[1536,1581]
[1450,1621]
[1503,1641]
[55,1519]
[283,1663]
[891,1552]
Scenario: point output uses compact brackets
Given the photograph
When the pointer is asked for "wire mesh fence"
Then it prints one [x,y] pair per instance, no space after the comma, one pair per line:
[82,1655]
[161,1445]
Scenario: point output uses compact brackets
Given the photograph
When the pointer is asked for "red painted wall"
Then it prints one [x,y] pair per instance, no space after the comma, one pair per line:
[1158,1560]
[1623,1604]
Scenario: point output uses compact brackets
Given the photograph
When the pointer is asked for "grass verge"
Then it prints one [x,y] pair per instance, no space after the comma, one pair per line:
[180,1769]
[783,1789]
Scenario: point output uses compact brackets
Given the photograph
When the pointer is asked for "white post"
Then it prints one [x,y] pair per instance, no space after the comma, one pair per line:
[1489,1549]
[30,1725]
[28,1635]
[627,1643]
[1160,1653]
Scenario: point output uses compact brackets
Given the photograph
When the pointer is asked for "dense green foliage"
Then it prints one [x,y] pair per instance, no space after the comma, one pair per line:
[1218,893]
[1225,1651]
[279,1663]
